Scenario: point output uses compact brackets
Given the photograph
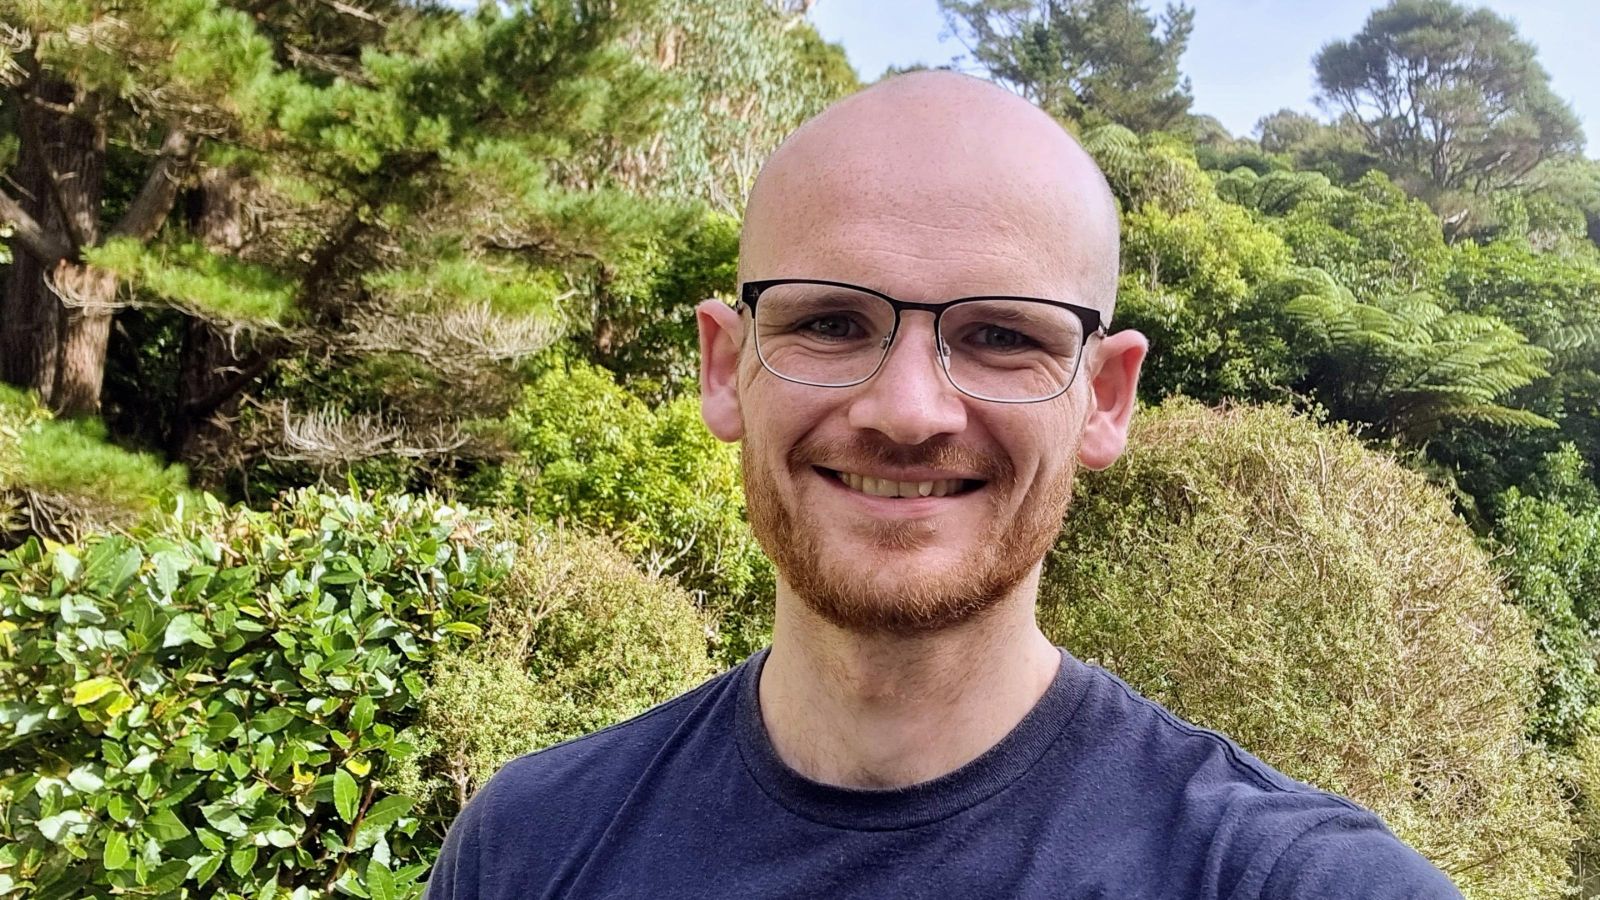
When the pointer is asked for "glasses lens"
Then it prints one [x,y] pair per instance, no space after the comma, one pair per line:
[820,334]
[1011,349]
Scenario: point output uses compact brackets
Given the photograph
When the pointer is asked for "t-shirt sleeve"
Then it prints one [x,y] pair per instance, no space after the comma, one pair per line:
[1351,854]
[455,872]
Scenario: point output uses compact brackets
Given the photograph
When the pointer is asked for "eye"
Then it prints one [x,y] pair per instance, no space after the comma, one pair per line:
[832,327]
[995,337]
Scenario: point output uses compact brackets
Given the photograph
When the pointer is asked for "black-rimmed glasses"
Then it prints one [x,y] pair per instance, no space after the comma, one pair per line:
[1003,349]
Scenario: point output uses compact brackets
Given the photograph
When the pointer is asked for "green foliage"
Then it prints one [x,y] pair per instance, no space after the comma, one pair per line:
[746,75]
[1448,96]
[1550,297]
[1407,367]
[63,477]
[644,329]
[577,639]
[1195,272]
[1271,579]
[1370,237]
[1338,151]
[591,455]
[190,277]
[1089,61]
[1551,535]
[221,709]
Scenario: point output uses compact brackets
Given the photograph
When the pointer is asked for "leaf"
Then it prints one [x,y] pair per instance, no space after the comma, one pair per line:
[346,795]
[165,826]
[55,827]
[275,719]
[243,859]
[116,853]
[169,564]
[385,812]
[167,878]
[361,714]
[86,692]
[67,565]
[205,866]
[380,883]
[85,780]
[221,727]
[186,628]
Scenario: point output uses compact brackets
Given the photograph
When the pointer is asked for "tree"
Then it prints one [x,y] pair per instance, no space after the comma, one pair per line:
[747,73]
[391,210]
[151,80]
[1091,61]
[1338,151]
[1449,98]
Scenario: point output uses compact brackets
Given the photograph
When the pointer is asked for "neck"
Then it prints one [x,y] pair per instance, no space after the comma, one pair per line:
[885,711]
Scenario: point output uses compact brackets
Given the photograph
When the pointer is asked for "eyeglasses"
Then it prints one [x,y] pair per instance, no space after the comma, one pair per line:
[1003,349]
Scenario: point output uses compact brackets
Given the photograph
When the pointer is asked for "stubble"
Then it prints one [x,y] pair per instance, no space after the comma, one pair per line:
[882,600]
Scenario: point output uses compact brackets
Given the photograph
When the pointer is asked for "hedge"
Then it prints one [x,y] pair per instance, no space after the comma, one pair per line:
[1273,579]
[220,710]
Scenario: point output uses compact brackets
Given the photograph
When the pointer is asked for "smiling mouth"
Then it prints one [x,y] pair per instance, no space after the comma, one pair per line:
[882,487]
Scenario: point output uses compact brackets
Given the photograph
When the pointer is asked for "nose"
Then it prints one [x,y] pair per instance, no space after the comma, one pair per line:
[910,399]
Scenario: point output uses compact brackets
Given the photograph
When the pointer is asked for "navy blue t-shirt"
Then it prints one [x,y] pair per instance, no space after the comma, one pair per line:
[1098,792]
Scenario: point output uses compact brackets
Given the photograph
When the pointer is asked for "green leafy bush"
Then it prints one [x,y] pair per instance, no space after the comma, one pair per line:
[592,455]
[577,639]
[1273,580]
[1551,538]
[221,709]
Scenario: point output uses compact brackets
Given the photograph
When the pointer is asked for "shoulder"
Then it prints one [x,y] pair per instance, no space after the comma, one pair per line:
[1249,824]
[1348,853]
[563,797]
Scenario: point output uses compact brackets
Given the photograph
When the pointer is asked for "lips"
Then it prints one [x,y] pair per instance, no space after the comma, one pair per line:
[892,488]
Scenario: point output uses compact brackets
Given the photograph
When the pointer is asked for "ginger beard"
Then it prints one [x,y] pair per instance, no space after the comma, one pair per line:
[857,593]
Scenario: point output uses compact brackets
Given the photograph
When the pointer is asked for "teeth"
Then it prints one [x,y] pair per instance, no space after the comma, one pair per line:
[882,487]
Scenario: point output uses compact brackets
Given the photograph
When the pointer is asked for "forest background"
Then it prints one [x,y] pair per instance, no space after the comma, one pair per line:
[351,445]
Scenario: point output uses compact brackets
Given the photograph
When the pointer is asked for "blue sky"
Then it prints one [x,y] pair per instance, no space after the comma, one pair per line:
[1246,58]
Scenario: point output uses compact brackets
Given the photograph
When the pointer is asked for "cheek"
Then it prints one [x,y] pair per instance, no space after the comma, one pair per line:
[1043,448]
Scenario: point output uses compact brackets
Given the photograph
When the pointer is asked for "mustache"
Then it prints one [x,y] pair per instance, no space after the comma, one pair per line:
[939,452]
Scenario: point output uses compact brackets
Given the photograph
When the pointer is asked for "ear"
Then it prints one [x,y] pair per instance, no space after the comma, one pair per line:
[721,335]
[1113,388]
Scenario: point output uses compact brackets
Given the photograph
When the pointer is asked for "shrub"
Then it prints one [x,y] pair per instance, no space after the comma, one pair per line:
[1551,539]
[221,709]
[64,478]
[1273,580]
[577,639]
[590,454]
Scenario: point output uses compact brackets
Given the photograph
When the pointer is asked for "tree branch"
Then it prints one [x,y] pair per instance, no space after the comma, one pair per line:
[154,201]
[45,245]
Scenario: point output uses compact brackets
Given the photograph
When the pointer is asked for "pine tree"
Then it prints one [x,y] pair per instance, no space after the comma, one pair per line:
[149,81]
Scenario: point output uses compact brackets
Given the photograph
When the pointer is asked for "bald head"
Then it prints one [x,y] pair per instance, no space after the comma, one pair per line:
[935,185]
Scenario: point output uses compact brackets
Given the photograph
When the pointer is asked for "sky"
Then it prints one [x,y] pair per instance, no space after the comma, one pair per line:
[1246,58]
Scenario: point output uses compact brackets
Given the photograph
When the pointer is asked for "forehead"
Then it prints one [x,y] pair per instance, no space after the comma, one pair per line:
[935,197]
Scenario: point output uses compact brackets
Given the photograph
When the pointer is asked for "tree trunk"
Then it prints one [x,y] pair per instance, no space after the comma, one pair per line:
[84,331]
[76,153]
[28,311]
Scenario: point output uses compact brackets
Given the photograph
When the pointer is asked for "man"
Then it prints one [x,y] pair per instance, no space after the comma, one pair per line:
[908,461]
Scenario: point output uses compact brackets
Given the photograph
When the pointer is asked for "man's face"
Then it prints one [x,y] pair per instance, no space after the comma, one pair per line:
[920,221]
[818,462]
